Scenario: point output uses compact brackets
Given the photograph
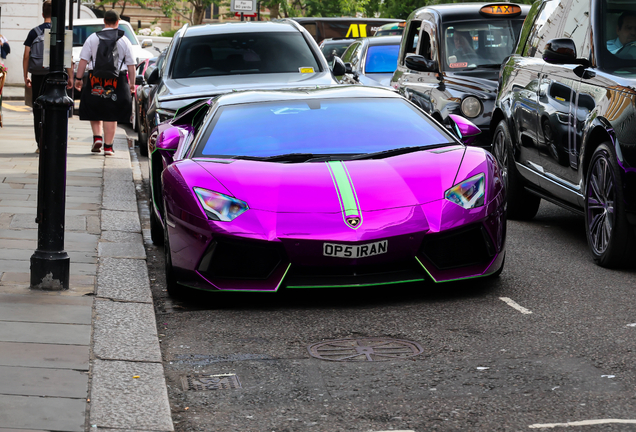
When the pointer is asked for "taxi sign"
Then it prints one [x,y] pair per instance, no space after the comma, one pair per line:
[504,10]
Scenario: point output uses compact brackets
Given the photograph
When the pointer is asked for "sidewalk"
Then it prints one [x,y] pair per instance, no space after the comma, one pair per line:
[87,358]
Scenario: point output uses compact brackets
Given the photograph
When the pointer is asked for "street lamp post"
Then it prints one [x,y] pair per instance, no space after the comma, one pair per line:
[50,264]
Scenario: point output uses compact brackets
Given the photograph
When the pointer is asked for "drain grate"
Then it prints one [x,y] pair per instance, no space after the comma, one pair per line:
[365,349]
[210,382]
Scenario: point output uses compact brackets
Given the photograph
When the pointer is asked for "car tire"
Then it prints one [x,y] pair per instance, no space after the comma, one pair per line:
[609,235]
[156,229]
[522,205]
[174,289]
[142,141]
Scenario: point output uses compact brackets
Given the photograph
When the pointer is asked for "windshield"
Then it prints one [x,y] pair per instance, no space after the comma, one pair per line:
[322,127]
[243,53]
[332,50]
[81,32]
[382,59]
[619,34]
[484,43]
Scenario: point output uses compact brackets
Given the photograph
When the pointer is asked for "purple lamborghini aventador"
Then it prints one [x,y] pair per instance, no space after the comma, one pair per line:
[334,187]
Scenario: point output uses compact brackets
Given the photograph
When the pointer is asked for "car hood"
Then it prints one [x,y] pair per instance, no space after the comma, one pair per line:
[181,91]
[478,81]
[379,184]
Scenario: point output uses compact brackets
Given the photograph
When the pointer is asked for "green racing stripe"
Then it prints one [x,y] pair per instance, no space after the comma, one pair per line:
[346,192]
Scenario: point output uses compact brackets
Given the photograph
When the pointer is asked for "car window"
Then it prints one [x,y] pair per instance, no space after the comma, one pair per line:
[577,27]
[344,126]
[618,51]
[478,43]
[332,50]
[351,52]
[382,59]
[81,32]
[545,28]
[411,38]
[243,53]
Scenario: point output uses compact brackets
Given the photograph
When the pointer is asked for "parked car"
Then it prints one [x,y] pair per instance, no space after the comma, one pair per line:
[391,29]
[138,93]
[270,205]
[564,121]
[371,61]
[331,48]
[342,27]
[145,93]
[450,58]
[209,60]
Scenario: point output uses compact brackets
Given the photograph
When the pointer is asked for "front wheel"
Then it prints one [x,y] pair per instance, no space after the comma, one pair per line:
[609,235]
[522,205]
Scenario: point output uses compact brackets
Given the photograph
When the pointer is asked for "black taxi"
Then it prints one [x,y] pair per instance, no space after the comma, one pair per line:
[450,58]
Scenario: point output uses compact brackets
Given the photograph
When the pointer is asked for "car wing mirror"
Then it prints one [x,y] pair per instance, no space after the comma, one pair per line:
[463,129]
[338,67]
[562,51]
[420,63]
[139,80]
[146,43]
[168,139]
[348,68]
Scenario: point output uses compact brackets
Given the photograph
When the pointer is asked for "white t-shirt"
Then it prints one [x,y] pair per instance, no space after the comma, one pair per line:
[89,50]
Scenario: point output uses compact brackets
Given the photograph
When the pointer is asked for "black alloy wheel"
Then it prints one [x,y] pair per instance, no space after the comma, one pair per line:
[609,234]
[522,205]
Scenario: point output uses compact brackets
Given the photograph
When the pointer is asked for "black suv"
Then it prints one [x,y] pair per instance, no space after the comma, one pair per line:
[565,119]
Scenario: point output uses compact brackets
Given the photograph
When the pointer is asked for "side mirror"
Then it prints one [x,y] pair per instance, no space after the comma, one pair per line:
[562,51]
[420,63]
[464,129]
[146,43]
[152,75]
[168,139]
[139,80]
[338,67]
[348,68]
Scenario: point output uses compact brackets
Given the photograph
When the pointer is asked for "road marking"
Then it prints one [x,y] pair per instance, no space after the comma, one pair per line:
[581,423]
[515,305]
[19,108]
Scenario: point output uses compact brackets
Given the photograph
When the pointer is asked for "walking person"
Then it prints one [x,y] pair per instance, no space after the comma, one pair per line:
[106,91]
[32,62]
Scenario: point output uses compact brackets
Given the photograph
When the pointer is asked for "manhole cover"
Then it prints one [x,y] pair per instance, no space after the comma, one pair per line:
[210,382]
[365,349]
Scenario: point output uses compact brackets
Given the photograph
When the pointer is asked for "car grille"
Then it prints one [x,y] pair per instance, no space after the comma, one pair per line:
[458,248]
[353,275]
[229,259]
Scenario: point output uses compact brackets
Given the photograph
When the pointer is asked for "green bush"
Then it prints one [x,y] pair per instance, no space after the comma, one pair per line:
[169,33]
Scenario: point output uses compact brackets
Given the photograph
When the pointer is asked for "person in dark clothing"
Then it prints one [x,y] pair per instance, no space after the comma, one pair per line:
[36,82]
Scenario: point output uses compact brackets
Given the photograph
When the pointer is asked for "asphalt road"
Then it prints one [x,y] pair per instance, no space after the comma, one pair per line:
[551,341]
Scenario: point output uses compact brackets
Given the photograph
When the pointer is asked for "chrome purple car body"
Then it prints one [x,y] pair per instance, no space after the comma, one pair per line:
[301,225]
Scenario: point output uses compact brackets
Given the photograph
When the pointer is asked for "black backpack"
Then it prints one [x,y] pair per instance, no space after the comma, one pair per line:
[107,62]
[36,56]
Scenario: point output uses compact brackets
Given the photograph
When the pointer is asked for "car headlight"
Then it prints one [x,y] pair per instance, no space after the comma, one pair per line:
[220,207]
[469,194]
[471,107]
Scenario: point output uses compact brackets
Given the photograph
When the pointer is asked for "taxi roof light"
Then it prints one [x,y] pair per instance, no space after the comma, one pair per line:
[504,10]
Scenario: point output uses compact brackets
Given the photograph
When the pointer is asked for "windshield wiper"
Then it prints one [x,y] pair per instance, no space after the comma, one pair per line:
[288,157]
[396,152]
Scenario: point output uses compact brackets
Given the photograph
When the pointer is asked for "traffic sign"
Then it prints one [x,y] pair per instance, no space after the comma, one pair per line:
[238,14]
[245,6]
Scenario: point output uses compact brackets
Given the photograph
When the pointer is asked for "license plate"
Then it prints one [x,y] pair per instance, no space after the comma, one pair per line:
[355,251]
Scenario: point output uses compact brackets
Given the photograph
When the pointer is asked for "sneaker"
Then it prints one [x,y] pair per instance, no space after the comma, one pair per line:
[97,146]
[108,149]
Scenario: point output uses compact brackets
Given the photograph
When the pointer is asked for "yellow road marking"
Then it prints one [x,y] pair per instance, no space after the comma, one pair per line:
[18,108]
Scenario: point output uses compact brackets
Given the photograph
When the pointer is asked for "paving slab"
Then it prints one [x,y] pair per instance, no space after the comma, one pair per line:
[63,334]
[120,221]
[125,331]
[61,314]
[51,414]
[43,382]
[119,401]
[44,356]
[122,250]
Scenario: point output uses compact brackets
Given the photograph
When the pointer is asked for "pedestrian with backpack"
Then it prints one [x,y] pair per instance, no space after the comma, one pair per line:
[106,91]
[32,63]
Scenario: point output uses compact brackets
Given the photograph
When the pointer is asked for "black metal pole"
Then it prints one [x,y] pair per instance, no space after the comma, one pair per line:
[50,264]
[242,16]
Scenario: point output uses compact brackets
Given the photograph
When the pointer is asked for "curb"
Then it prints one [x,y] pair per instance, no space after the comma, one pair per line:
[128,388]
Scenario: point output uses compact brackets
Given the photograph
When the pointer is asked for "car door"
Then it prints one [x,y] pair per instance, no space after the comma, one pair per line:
[557,124]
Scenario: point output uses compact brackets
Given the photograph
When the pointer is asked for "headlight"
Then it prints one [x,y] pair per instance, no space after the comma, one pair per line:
[220,207]
[471,107]
[469,194]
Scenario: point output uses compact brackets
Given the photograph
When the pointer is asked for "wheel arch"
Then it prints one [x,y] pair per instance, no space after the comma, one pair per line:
[595,135]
